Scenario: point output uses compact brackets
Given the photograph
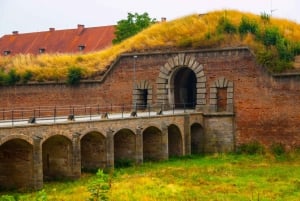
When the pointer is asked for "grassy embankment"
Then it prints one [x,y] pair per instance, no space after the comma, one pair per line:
[275,41]
[215,177]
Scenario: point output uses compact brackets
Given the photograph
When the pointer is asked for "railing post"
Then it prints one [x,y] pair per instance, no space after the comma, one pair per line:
[54,117]
[90,113]
[12,117]
[149,109]
[173,105]
[3,114]
[122,110]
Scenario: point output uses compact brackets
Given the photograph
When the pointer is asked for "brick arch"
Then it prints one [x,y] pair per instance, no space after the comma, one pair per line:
[17,136]
[142,94]
[57,156]
[16,166]
[49,135]
[92,130]
[175,141]
[197,138]
[124,145]
[152,144]
[164,85]
[93,150]
[221,84]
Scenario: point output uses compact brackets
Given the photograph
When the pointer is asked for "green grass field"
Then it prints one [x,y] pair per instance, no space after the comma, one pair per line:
[214,177]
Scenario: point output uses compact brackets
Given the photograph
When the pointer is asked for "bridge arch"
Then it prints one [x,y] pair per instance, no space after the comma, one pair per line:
[57,154]
[124,146]
[47,136]
[182,79]
[26,138]
[197,139]
[175,141]
[93,151]
[16,167]
[152,144]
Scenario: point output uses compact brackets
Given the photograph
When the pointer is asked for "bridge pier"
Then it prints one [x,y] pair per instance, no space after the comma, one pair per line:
[37,163]
[76,166]
[139,146]
[110,149]
[164,142]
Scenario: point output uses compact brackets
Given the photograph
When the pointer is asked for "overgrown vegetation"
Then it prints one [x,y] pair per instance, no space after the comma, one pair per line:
[134,24]
[274,41]
[74,75]
[214,177]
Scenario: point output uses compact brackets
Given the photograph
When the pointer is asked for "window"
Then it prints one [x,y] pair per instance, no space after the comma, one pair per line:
[142,97]
[221,99]
[81,47]
[6,52]
[42,50]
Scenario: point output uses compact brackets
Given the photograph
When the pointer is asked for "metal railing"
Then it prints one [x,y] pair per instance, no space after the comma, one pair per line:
[54,114]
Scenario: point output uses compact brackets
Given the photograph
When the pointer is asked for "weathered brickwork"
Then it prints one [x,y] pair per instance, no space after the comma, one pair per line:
[237,100]
[34,153]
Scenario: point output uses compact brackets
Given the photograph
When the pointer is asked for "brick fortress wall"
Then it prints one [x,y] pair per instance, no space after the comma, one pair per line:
[266,107]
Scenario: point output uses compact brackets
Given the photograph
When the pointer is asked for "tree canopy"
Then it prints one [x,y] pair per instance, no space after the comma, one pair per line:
[132,25]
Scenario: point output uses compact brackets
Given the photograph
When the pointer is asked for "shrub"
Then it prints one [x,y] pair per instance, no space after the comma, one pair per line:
[99,186]
[12,77]
[225,26]
[74,75]
[285,49]
[251,148]
[26,76]
[265,17]
[277,149]
[7,198]
[248,26]
[270,36]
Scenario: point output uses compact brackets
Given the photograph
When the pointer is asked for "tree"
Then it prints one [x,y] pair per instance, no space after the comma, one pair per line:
[132,25]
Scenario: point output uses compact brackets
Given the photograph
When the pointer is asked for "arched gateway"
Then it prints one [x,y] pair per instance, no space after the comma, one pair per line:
[182,83]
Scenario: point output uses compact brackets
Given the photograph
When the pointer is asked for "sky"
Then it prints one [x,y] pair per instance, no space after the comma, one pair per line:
[39,15]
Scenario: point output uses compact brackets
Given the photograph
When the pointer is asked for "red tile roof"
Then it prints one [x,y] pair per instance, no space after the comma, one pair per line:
[62,41]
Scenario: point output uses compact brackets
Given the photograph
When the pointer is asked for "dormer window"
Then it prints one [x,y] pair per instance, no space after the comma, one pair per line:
[81,47]
[42,50]
[6,52]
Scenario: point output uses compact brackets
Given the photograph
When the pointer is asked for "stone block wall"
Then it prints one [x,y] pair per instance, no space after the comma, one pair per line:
[266,107]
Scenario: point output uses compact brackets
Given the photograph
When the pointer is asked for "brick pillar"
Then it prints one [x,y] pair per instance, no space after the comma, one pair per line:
[164,142]
[110,149]
[187,135]
[76,166]
[37,163]
[139,146]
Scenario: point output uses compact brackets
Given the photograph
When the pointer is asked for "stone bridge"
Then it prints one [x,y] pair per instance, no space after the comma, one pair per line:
[33,153]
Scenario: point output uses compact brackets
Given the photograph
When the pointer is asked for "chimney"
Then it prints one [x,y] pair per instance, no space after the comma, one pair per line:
[15,32]
[51,29]
[80,28]
[163,19]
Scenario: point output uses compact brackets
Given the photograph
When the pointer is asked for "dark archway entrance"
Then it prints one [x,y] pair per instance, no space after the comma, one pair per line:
[174,141]
[197,139]
[124,147]
[93,151]
[16,164]
[152,144]
[57,158]
[185,88]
